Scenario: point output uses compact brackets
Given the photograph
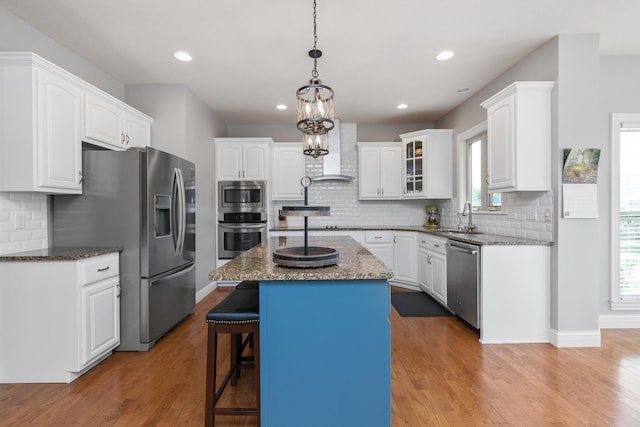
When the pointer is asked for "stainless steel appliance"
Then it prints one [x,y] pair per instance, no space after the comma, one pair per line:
[242,216]
[463,281]
[142,200]
[242,196]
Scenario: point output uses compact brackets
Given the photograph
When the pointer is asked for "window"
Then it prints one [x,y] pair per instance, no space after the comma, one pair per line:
[477,192]
[625,211]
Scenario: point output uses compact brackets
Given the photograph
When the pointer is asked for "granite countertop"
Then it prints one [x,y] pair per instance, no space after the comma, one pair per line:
[58,254]
[478,238]
[354,262]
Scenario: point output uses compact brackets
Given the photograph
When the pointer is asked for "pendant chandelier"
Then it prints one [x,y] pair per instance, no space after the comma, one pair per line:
[315,106]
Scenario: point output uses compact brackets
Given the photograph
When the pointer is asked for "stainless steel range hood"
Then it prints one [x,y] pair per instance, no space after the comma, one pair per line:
[331,162]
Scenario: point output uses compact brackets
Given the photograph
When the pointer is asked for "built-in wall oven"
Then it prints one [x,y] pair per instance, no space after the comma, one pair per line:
[242,216]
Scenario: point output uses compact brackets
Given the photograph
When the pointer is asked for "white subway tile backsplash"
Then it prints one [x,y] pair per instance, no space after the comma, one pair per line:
[33,206]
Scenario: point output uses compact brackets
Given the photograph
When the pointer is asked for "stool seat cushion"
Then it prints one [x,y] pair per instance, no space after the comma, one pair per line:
[241,305]
[248,284]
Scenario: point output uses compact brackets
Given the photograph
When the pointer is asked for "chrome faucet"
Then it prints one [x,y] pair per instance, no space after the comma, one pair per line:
[470,227]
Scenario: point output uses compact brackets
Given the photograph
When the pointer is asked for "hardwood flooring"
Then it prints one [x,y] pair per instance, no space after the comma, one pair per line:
[441,376]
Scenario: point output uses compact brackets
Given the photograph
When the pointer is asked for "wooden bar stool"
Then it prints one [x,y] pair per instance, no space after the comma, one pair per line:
[237,314]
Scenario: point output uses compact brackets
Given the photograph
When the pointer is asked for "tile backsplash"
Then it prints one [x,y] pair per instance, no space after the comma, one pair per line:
[23,222]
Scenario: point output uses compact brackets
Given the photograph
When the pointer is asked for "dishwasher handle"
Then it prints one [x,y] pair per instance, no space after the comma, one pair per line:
[461,249]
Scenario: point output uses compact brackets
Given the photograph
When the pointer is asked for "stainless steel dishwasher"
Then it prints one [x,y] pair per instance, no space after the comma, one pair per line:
[463,281]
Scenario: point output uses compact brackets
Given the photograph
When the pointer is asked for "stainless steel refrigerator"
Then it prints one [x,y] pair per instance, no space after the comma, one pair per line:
[142,200]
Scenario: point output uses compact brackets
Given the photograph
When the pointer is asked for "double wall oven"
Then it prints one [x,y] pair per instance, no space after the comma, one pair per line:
[242,216]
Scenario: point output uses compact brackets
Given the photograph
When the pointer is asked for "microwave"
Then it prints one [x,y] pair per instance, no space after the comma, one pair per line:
[242,197]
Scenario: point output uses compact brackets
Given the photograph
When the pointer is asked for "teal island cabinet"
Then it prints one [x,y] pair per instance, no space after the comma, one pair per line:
[324,335]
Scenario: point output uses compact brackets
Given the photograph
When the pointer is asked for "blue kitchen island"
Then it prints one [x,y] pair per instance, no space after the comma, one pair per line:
[324,335]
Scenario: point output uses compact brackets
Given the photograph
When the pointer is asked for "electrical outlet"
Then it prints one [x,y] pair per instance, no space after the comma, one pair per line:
[19,220]
[547,215]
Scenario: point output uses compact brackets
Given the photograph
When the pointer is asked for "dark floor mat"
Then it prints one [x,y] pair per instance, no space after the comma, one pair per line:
[417,304]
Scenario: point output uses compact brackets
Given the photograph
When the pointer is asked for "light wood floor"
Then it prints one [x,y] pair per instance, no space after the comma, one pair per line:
[441,376]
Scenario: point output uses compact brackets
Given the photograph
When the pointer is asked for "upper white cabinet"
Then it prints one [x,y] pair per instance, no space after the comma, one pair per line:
[379,171]
[41,122]
[242,158]
[287,169]
[519,137]
[113,123]
[427,164]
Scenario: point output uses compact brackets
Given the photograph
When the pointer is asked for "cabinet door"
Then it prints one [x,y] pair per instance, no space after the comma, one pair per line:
[103,121]
[229,161]
[500,150]
[287,170]
[137,132]
[439,276]
[424,270]
[369,171]
[383,251]
[390,172]
[405,257]
[59,122]
[255,162]
[100,318]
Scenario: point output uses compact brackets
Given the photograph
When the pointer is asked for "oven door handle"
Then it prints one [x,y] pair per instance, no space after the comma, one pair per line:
[242,225]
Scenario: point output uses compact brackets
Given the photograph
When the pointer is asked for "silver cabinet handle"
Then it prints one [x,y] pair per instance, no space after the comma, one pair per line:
[81,177]
[122,138]
[104,268]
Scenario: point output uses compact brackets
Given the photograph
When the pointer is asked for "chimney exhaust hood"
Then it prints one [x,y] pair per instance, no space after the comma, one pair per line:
[331,161]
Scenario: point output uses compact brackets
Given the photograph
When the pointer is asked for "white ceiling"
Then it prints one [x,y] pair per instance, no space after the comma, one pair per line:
[250,55]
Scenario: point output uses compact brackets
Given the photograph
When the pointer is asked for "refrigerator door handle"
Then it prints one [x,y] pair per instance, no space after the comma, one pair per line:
[180,214]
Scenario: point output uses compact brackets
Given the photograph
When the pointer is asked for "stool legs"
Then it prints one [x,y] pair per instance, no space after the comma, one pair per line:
[237,363]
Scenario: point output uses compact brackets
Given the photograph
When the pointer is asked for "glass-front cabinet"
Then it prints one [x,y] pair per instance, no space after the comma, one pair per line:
[427,164]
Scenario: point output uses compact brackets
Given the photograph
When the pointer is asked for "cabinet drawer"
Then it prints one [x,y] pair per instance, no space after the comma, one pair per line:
[383,236]
[98,268]
[435,244]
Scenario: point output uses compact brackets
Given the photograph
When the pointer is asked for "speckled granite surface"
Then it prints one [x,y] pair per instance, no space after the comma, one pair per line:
[57,254]
[354,262]
[474,238]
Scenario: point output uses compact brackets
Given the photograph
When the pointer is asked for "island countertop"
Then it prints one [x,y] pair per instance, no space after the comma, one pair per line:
[354,262]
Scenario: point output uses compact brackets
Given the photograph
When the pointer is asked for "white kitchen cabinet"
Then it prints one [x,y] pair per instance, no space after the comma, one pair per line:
[519,137]
[242,158]
[57,318]
[113,124]
[427,164]
[379,171]
[287,169]
[405,258]
[41,122]
[380,244]
[432,266]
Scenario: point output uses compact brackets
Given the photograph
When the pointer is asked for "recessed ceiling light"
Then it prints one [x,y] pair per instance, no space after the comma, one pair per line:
[281,107]
[444,55]
[402,106]
[182,56]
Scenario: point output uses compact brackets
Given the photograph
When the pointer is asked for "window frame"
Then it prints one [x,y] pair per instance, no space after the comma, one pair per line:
[616,302]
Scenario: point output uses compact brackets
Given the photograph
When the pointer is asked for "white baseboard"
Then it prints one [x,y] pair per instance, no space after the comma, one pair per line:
[574,338]
[619,321]
[206,291]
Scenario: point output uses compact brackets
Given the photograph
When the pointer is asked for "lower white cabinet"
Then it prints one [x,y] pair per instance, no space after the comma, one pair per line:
[380,244]
[432,266]
[57,318]
[405,257]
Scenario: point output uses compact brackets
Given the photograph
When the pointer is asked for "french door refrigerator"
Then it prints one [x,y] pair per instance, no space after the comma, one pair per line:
[142,200]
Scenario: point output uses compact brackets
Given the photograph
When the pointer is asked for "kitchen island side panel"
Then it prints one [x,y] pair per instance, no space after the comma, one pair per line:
[325,349]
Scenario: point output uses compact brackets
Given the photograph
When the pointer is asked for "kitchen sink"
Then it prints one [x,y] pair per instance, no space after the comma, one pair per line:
[455,232]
